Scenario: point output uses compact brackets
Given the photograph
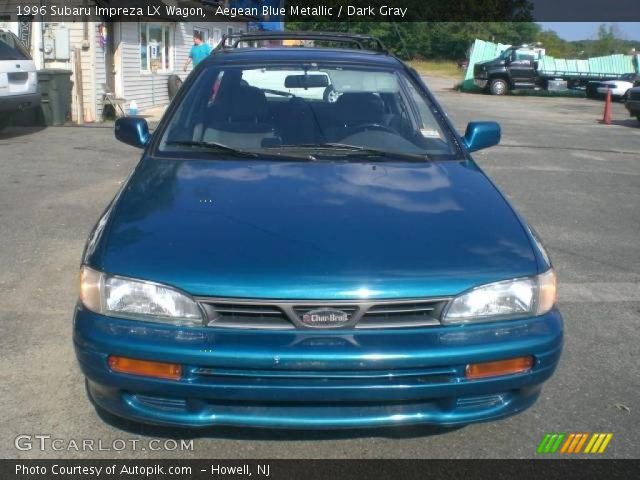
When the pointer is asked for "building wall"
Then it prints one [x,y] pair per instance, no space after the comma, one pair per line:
[147,89]
[150,89]
[99,72]
[92,68]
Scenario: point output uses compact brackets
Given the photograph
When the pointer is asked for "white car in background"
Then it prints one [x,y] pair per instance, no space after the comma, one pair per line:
[18,78]
[620,87]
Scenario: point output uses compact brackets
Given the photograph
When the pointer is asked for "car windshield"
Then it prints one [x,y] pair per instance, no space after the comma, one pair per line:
[11,48]
[506,54]
[307,110]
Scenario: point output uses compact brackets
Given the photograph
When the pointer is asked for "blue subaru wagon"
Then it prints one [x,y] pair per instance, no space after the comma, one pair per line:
[306,242]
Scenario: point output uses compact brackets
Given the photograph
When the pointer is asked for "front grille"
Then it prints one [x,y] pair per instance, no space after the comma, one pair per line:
[418,314]
[283,315]
[245,315]
[226,377]
[164,403]
[481,401]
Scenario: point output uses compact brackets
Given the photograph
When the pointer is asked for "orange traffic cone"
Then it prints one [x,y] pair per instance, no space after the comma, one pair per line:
[606,118]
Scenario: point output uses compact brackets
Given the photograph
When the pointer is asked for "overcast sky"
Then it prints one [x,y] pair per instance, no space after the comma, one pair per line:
[589,30]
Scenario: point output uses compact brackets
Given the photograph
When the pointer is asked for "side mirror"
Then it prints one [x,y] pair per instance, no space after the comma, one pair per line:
[481,135]
[133,131]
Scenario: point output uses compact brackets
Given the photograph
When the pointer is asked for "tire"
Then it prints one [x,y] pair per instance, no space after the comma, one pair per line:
[174,82]
[28,118]
[498,86]
[330,94]
[591,93]
[4,123]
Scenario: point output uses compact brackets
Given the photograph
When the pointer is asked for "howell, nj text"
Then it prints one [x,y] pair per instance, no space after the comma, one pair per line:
[244,470]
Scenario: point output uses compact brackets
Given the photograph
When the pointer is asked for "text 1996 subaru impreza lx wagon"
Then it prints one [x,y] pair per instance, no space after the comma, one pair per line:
[307,243]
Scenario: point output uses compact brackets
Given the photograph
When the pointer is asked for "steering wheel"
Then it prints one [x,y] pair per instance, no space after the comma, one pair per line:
[368,126]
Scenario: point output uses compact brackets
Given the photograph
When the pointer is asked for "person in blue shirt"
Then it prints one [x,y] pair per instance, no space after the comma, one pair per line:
[199,51]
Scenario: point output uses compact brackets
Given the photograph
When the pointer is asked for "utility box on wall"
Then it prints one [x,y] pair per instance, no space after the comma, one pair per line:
[57,44]
[62,40]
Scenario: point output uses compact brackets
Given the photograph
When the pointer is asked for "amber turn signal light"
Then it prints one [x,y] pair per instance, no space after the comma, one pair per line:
[501,367]
[146,368]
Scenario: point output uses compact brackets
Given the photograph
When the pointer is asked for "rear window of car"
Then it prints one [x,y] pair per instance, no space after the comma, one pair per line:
[11,48]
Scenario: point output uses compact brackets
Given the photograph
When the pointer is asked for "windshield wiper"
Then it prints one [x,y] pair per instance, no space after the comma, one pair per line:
[221,148]
[213,146]
[358,151]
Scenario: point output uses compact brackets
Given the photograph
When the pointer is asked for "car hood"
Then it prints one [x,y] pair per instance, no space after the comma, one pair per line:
[489,63]
[324,230]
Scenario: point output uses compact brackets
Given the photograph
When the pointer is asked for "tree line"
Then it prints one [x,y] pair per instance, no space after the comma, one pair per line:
[452,40]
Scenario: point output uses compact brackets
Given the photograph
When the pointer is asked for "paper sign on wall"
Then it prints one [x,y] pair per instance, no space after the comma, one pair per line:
[153,50]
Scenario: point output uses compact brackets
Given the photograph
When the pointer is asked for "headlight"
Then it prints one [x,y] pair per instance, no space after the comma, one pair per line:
[136,299]
[504,300]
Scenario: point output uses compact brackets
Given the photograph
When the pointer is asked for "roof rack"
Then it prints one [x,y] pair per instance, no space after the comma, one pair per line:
[361,41]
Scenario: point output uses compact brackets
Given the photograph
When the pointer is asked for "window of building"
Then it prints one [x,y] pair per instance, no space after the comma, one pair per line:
[156,48]
[217,36]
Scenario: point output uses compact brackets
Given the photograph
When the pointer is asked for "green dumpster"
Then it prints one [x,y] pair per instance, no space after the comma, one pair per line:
[55,88]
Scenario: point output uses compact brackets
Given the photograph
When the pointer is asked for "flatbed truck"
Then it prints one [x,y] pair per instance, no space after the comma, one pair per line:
[517,67]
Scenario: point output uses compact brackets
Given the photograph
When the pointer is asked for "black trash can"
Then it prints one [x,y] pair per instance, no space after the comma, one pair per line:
[55,88]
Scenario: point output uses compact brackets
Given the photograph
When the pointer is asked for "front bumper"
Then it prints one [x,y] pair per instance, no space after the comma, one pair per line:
[480,82]
[315,379]
[15,103]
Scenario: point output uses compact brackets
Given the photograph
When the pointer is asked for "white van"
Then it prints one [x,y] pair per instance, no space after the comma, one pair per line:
[18,78]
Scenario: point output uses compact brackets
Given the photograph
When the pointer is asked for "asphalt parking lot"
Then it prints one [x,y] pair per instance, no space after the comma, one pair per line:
[575,180]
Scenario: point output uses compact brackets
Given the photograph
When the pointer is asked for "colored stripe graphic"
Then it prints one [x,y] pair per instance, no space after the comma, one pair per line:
[565,447]
[555,446]
[598,443]
[581,443]
[572,443]
[605,442]
[591,442]
[551,442]
[543,443]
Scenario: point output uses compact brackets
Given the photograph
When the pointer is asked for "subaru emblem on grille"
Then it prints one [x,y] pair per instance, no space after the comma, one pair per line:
[325,318]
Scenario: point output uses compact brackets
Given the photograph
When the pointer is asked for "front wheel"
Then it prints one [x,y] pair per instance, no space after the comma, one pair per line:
[498,86]
[30,117]
[174,82]
[330,94]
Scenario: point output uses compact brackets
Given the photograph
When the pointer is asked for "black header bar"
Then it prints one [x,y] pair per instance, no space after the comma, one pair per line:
[119,469]
[325,10]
